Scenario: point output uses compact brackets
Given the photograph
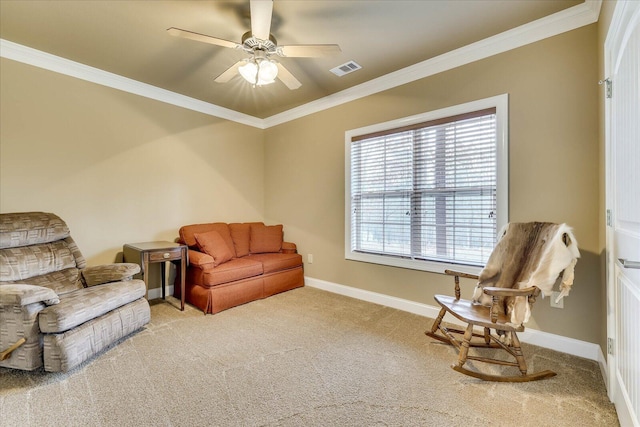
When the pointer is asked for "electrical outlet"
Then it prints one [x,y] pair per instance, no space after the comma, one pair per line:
[310,258]
[560,303]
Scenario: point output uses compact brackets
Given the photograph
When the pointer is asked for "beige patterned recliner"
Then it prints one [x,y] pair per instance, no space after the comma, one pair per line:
[53,309]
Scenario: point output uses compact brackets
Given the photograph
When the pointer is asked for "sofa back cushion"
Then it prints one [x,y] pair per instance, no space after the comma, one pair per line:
[265,239]
[241,235]
[187,233]
[212,243]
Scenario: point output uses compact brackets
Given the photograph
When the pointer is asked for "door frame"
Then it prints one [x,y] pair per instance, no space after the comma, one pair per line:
[622,15]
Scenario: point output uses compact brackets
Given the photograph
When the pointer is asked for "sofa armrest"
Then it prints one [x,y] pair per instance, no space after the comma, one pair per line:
[200,259]
[109,273]
[289,248]
[21,294]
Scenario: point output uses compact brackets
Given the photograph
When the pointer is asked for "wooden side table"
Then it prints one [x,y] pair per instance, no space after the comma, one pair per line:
[147,253]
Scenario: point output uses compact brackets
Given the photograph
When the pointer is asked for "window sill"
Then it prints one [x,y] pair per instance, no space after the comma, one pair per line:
[411,264]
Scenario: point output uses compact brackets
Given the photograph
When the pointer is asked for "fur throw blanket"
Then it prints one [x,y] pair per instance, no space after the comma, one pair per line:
[529,254]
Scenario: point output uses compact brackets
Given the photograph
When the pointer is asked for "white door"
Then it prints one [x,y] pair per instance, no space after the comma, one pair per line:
[622,64]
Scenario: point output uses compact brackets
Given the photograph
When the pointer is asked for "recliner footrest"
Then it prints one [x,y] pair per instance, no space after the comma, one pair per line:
[78,307]
[67,350]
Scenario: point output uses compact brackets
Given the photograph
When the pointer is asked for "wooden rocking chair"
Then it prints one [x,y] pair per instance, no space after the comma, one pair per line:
[527,260]
[488,318]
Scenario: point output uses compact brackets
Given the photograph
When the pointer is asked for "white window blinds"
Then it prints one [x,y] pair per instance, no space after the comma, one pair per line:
[427,191]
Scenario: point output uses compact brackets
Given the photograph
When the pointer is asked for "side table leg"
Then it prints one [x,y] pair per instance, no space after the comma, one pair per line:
[145,273]
[163,274]
[183,273]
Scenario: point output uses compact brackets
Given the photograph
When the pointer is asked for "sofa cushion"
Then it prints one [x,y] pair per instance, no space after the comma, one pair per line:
[265,238]
[187,233]
[236,269]
[241,235]
[213,244]
[85,304]
[272,262]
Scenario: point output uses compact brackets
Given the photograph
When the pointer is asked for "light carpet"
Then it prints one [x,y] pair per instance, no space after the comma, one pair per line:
[302,358]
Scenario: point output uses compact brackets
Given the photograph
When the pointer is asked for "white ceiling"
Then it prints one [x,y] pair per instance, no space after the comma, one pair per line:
[129,39]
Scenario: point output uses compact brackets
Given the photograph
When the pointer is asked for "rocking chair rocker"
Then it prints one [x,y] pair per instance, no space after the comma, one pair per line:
[533,259]
[488,318]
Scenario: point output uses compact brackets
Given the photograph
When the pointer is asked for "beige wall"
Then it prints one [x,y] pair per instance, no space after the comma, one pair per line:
[554,161]
[119,168]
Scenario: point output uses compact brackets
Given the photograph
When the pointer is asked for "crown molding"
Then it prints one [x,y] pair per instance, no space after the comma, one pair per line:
[70,68]
[566,20]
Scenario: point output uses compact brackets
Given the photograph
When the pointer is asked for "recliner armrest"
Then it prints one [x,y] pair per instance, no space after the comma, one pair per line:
[100,274]
[21,294]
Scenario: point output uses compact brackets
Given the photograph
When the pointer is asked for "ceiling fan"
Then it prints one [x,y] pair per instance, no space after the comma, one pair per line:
[259,68]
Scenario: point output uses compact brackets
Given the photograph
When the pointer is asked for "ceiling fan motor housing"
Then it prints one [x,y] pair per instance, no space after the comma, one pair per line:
[253,44]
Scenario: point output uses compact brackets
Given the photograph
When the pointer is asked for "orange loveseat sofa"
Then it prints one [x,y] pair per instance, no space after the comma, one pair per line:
[232,264]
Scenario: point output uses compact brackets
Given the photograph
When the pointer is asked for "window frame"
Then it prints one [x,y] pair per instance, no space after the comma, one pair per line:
[501,104]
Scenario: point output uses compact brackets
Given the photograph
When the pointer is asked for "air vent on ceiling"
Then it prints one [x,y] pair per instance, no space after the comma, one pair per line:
[346,68]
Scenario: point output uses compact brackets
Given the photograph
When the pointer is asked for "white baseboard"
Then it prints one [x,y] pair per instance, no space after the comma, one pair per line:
[543,339]
[156,293]
[604,369]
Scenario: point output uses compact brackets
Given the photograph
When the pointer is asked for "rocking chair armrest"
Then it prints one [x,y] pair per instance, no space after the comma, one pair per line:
[507,292]
[496,293]
[457,275]
[461,274]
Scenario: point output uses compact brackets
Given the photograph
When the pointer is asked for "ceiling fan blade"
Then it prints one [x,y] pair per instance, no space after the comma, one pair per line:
[230,73]
[177,32]
[287,78]
[261,11]
[308,50]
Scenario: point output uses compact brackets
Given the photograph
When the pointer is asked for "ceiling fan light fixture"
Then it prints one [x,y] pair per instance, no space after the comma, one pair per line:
[267,71]
[249,70]
[259,71]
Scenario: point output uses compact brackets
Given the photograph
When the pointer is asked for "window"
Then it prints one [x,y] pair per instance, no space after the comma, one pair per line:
[428,192]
